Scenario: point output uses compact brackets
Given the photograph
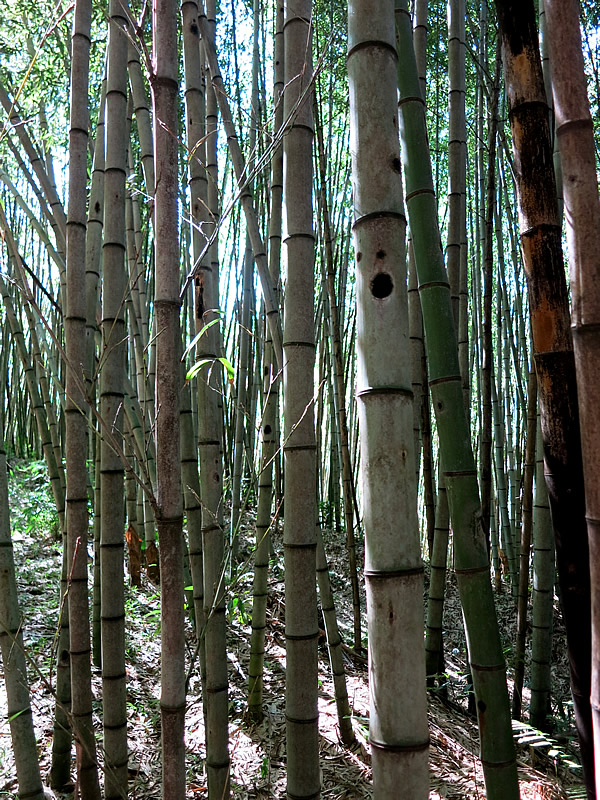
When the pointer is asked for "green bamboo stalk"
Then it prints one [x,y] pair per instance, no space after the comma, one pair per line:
[470,549]
[526,531]
[543,596]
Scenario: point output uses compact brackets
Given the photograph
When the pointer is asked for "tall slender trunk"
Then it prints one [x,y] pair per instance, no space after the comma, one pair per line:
[334,642]
[543,596]
[470,548]
[540,233]
[526,530]
[575,134]
[112,376]
[299,533]
[210,454]
[243,418]
[169,506]
[487,353]
[393,569]
[195,132]
[76,412]
[269,427]
[339,391]
[434,643]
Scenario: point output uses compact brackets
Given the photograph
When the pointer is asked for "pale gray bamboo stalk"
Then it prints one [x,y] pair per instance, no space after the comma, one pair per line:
[507,317]
[139,287]
[93,252]
[398,731]
[512,464]
[169,500]
[197,183]
[76,412]
[242,406]
[269,427]
[299,538]
[112,373]
[206,300]
[137,349]
[93,243]
[262,554]
[193,509]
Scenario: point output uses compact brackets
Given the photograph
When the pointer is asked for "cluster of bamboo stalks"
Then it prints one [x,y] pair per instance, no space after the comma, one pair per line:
[167,389]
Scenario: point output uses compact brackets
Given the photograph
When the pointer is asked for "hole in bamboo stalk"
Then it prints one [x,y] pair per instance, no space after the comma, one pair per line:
[396,164]
[380,254]
[358,256]
[267,429]
[481,706]
[381,285]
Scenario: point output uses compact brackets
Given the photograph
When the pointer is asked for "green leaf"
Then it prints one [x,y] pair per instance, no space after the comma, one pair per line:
[229,368]
[202,330]
[195,369]
[18,714]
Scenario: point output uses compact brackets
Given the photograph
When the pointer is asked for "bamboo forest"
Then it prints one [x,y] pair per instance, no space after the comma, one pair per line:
[299,428]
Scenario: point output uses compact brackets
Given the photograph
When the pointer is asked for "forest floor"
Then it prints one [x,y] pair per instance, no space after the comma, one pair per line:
[548,768]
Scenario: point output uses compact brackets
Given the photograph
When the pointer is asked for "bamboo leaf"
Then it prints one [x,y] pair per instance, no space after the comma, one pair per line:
[202,330]
[229,368]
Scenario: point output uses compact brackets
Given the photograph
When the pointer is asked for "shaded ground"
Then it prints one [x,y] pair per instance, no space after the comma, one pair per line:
[258,751]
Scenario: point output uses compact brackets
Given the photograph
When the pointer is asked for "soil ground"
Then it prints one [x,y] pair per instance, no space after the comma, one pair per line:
[548,767]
